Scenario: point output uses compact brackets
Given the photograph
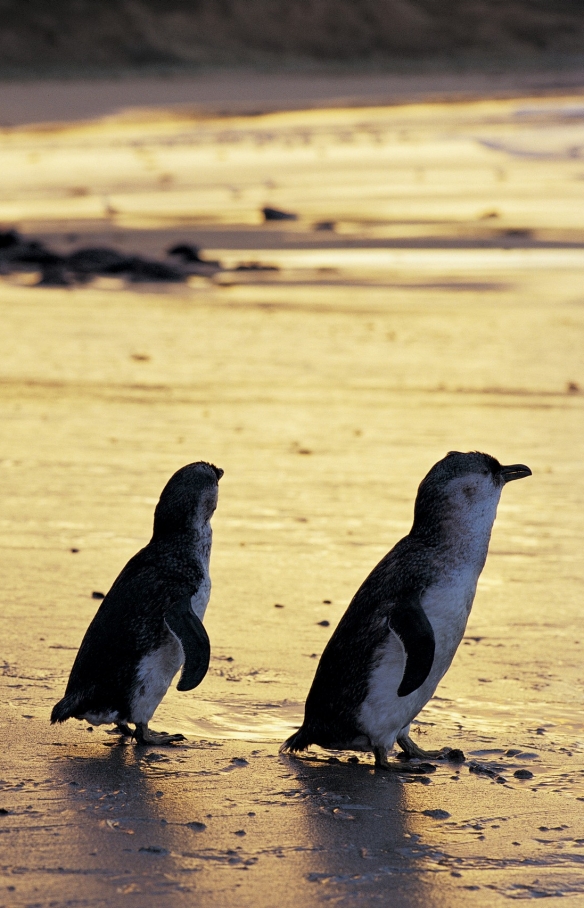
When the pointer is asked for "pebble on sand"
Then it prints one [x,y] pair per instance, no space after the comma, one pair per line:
[436,814]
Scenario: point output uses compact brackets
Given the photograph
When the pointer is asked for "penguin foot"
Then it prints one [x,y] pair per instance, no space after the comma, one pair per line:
[381,762]
[411,751]
[145,735]
[124,729]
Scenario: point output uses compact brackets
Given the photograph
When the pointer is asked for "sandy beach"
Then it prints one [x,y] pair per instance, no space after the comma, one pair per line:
[428,297]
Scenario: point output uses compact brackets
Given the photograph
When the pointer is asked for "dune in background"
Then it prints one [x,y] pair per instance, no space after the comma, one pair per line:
[69,35]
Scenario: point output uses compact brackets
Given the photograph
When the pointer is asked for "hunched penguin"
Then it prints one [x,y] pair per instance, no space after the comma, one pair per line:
[401,630]
[150,622]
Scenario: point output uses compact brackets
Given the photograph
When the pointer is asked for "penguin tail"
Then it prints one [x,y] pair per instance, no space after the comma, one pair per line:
[300,740]
[64,709]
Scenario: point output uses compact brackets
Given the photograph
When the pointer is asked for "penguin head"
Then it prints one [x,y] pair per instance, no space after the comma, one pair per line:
[188,500]
[463,489]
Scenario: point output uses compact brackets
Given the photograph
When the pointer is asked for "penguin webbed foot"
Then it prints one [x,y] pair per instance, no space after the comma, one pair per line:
[124,730]
[145,735]
[381,762]
[411,751]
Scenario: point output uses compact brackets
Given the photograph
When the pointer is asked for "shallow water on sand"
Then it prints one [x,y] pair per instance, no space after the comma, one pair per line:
[325,390]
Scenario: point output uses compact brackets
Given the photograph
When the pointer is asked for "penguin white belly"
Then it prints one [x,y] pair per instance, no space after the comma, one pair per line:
[154,676]
[383,714]
[103,718]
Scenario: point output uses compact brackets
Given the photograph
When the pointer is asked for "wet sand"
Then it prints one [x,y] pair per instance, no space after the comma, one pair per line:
[442,308]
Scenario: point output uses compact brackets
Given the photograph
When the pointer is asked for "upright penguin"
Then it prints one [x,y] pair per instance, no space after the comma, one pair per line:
[401,630]
[150,622]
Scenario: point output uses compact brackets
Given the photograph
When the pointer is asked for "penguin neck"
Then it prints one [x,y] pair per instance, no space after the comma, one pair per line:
[200,542]
[193,544]
[459,535]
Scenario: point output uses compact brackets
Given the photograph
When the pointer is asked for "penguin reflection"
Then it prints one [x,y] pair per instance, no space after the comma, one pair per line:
[401,631]
[150,622]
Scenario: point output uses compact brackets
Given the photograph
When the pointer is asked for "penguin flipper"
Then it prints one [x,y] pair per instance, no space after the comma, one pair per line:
[184,624]
[410,623]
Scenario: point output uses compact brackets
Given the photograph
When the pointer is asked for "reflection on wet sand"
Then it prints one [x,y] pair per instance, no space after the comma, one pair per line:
[257,722]
[359,819]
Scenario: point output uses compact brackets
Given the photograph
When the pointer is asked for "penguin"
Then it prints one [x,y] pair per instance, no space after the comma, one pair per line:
[150,622]
[402,628]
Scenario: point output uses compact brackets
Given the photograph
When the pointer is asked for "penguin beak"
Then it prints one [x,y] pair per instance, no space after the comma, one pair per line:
[515,471]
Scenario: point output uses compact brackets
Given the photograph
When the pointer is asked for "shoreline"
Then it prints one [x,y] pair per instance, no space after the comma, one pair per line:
[247,92]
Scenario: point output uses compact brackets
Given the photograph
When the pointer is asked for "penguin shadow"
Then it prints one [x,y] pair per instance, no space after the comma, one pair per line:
[363,825]
[119,789]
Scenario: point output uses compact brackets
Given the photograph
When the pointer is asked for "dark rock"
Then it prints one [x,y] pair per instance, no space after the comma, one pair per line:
[274,214]
[455,756]
[104,261]
[83,264]
[523,774]
[523,233]
[436,814]
[255,266]
[97,260]
[139,270]
[324,623]
[54,275]
[97,595]
[151,757]
[185,252]
[31,253]
[482,770]
[9,238]
[190,255]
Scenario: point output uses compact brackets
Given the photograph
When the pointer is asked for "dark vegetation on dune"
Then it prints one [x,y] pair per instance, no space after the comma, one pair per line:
[38,35]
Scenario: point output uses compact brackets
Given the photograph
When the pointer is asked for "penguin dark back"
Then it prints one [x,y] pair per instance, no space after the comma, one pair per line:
[150,623]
